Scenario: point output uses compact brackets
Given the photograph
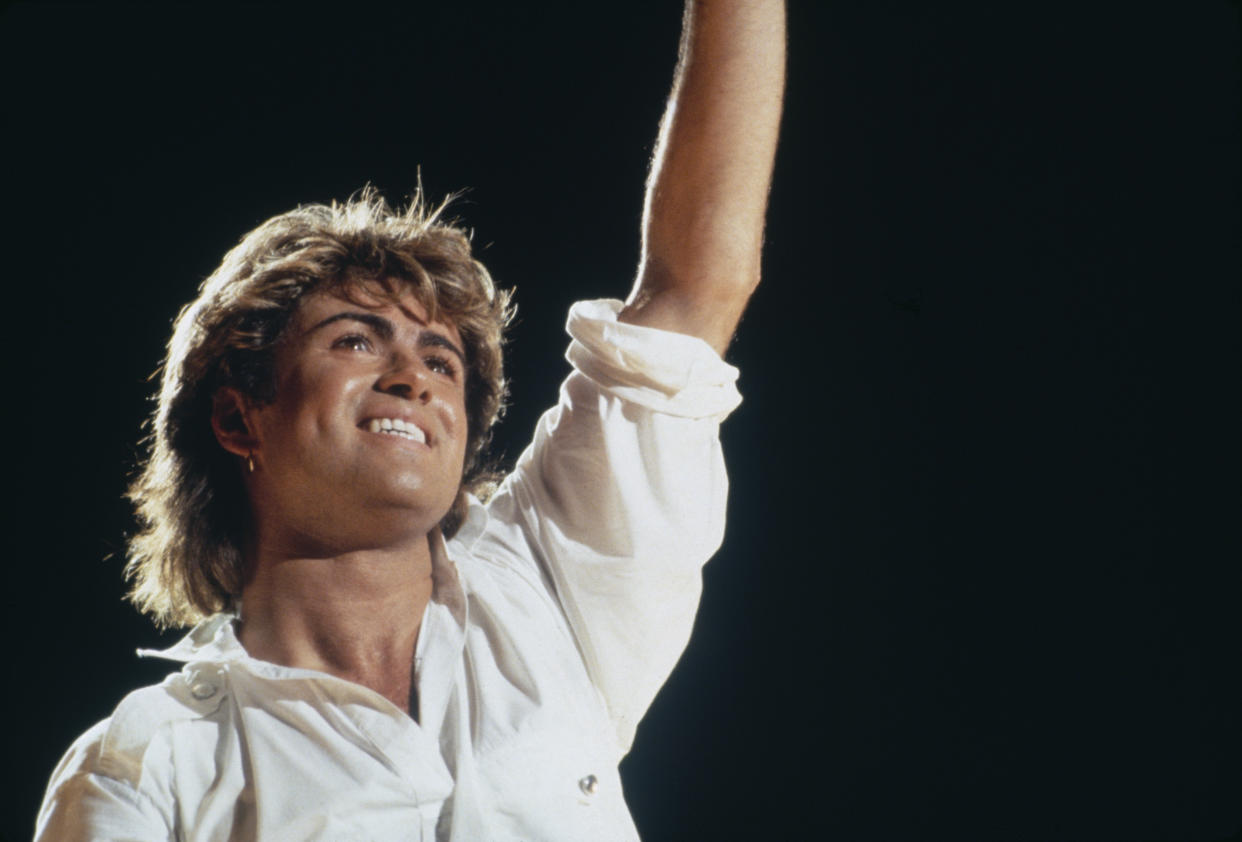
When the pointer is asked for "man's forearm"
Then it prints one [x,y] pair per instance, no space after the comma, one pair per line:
[708,189]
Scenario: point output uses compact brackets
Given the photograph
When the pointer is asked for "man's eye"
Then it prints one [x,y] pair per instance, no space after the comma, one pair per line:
[353,342]
[440,365]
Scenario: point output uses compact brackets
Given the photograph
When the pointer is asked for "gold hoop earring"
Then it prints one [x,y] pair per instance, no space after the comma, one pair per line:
[250,462]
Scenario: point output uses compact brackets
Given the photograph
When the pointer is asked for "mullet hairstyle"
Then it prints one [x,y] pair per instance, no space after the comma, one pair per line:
[186,560]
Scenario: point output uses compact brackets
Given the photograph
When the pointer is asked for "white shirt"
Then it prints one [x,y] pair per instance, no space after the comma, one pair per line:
[557,612]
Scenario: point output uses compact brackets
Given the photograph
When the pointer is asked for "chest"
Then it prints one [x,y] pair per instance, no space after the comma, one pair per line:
[512,743]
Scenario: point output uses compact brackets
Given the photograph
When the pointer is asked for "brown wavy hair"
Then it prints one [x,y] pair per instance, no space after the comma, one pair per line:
[185,561]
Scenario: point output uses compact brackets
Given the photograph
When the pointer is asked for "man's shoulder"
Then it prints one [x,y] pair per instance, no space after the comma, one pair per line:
[117,747]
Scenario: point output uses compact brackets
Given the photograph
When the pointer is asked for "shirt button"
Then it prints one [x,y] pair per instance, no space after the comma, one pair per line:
[202,690]
[589,785]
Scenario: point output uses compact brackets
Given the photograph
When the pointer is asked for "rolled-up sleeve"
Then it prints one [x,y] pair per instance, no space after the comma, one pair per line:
[621,498]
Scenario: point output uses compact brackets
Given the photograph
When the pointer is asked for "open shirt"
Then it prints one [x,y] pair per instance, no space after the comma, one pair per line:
[557,612]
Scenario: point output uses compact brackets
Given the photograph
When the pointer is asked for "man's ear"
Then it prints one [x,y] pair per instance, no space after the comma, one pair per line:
[230,421]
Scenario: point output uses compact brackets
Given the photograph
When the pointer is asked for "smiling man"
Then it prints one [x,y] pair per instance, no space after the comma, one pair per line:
[388,642]
[359,456]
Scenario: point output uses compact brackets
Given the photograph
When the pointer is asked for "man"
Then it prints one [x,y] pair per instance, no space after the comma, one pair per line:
[377,653]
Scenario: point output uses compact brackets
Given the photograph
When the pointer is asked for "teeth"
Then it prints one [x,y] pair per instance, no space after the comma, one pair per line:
[397,427]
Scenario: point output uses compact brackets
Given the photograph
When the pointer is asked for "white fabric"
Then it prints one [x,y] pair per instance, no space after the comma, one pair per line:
[557,612]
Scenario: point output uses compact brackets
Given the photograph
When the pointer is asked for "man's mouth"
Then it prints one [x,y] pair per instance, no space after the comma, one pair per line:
[397,427]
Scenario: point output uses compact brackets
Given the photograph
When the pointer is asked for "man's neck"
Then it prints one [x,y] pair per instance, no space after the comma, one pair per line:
[356,615]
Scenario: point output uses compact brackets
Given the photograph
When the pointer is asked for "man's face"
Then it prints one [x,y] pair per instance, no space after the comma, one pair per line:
[367,433]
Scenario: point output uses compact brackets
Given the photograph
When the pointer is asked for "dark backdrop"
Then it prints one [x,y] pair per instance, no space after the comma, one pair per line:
[981,574]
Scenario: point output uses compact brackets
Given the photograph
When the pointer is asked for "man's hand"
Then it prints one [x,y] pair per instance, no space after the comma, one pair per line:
[708,189]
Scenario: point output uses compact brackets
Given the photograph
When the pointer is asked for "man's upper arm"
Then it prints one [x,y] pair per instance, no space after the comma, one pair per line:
[621,499]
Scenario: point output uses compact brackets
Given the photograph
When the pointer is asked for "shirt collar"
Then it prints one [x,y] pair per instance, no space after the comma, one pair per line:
[212,639]
[474,524]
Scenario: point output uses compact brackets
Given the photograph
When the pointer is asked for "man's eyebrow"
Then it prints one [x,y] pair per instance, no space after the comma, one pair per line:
[382,327]
[429,339]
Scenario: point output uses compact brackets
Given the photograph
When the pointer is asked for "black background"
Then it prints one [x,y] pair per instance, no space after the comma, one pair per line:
[981,578]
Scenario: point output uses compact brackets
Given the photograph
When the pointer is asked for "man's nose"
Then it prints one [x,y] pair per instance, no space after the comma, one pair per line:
[406,378]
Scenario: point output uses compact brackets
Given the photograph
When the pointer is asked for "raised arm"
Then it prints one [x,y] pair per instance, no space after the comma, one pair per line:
[708,188]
